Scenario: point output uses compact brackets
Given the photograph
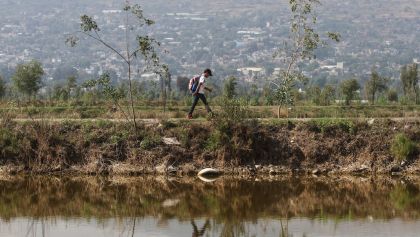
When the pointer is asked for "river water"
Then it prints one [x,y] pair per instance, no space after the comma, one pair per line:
[150,206]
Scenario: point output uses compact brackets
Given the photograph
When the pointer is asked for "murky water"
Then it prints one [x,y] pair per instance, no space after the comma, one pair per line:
[86,206]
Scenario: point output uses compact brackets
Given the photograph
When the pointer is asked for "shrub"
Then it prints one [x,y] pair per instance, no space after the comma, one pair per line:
[214,141]
[402,147]
[181,133]
[150,142]
[104,124]
[329,125]
[9,144]
[233,111]
[119,137]
[168,124]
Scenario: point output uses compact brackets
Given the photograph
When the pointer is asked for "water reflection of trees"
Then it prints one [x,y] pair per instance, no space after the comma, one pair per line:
[227,202]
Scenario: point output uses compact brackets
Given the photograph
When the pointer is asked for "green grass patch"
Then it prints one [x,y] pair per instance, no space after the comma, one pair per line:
[403,147]
[328,125]
[9,144]
[150,141]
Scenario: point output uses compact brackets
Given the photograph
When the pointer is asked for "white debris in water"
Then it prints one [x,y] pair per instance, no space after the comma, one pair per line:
[208,171]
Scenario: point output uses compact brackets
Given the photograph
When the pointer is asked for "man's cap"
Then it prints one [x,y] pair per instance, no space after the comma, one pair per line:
[208,71]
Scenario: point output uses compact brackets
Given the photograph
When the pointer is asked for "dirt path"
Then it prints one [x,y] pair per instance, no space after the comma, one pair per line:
[156,121]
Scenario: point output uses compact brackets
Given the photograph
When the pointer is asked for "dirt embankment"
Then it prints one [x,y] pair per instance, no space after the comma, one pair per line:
[102,147]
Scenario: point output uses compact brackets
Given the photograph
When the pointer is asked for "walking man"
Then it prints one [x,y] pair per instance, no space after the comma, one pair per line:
[197,87]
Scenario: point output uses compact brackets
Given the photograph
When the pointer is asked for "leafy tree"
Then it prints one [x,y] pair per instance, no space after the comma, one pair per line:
[229,90]
[376,84]
[314,94]
[268,95]
[169,82]
[182,84]
[254,95]
[28,78]
[2,87]
[410,79]
[348,89]
[327,95]
[59,93]
[71,84]
[104,85]
[302,43]
[392,95]
[165,85]
[145,45]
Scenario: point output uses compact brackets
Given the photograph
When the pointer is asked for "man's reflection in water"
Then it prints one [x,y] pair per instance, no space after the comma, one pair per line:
[202,231]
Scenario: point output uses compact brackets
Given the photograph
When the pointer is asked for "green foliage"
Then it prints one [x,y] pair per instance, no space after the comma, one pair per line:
[403,147]
[268,95]
[2,87]
[215,141]
[376,84]
[304,40]
[327,125]
[28,77]
[327,96]
[120,136]
[146,47]
[229,90]
[9,144]
[85,113]
[314,94]
[71,84]
[283,92]
[303,30]
[348,89]
[88,24]
[410,80]
[60,93]
[137,11]
[234,111]
[182,84]
[150,142]
[182,134]
[166,124]
[105,87]
[392,95]
[104,124]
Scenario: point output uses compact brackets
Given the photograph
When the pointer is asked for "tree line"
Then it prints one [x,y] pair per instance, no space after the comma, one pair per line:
[27,82]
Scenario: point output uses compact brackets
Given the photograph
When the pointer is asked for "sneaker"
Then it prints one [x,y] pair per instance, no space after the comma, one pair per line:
[189,116]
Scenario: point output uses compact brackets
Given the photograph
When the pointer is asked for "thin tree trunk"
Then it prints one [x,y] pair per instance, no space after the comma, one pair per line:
[131,98]
[164,94]
[373,99]
[129,73]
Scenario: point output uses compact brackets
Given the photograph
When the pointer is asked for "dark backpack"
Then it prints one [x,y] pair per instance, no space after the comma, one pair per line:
[193,85]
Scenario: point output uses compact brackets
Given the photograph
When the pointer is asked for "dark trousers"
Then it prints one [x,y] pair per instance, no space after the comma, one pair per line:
[198,97]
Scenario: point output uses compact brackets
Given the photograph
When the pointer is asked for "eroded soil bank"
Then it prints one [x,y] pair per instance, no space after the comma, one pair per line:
[184,148]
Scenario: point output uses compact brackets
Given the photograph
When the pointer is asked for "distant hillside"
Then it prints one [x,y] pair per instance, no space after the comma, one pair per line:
[381,33]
